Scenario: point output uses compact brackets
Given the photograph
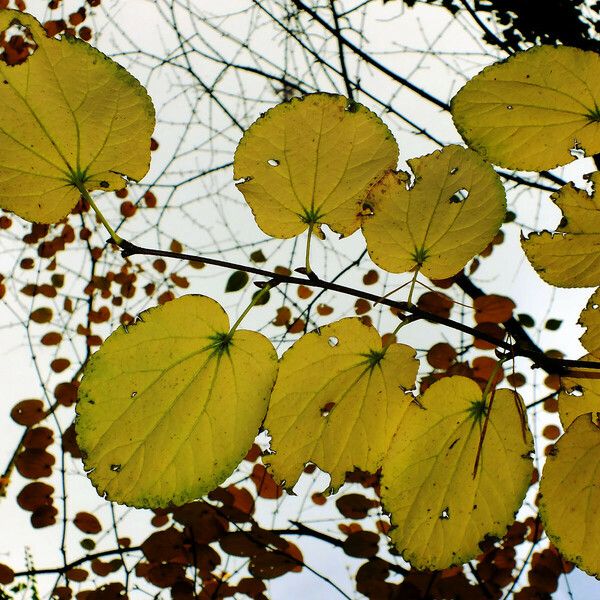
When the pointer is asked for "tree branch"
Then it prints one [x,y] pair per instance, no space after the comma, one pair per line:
[528,349]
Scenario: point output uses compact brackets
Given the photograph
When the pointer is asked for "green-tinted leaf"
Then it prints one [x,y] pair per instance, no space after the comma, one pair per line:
[168,408]
[531,110]
[553,324]
[312,160]
[526,320]
[570,257]
[451,213]
[237,280]
[570,494]
[69,113]
[258,257]
[264,299]
[338,401]
[440,512]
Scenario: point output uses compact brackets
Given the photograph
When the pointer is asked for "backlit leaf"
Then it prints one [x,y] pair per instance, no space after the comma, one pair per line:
[312,160]
[237,280]
[590,319]
[570,494]
[440,512]
[338,401]
[569,257]
[69,113]
[168,407]
[579,394]
[437,225]
[531,110]
[87,523]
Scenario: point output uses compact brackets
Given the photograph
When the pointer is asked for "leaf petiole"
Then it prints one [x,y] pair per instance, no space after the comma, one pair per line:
[307,256]
[117,239]
[487,408]
[264,290]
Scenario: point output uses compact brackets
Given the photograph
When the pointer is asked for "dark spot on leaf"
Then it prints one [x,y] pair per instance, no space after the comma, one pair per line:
[453,444]
[366,210]
[325,410]
[104,184]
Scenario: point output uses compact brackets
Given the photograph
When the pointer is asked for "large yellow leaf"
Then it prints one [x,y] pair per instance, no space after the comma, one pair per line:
[69,114]
[338,401]
[570,494]
[451,213]
[312,160]
[169,407]
[569,257]
[440,512]
[531,110]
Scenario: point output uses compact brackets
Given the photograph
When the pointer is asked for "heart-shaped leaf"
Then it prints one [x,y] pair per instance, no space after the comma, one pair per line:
[70,115]
[169,407]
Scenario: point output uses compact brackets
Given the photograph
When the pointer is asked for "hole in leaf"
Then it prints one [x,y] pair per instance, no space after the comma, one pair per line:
[273,162]
[459,196]
[333,341]
[509,107]
[133,394]
[445,513]
[577,151]
[115,468]
[16,44]
[595,306]
[576,391]
[352,106]
[325,410]
[239,181]
[366,210]
[453,170]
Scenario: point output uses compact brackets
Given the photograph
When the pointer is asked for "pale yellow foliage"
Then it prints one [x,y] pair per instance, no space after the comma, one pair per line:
[312,157]
[440,512]
[569,257]
[337,401]
[570,494]
[451,213]
[531,110]
[69,113]
[166,410]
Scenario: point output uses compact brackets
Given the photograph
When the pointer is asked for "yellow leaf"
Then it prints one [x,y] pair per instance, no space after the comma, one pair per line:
[529,112]
[168,408]
[451,213]
[580,391]
[590,319]
[440,512]
[579,394]
[69,114]
[338,401]
[569,257]
[570,495]
[312,160]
